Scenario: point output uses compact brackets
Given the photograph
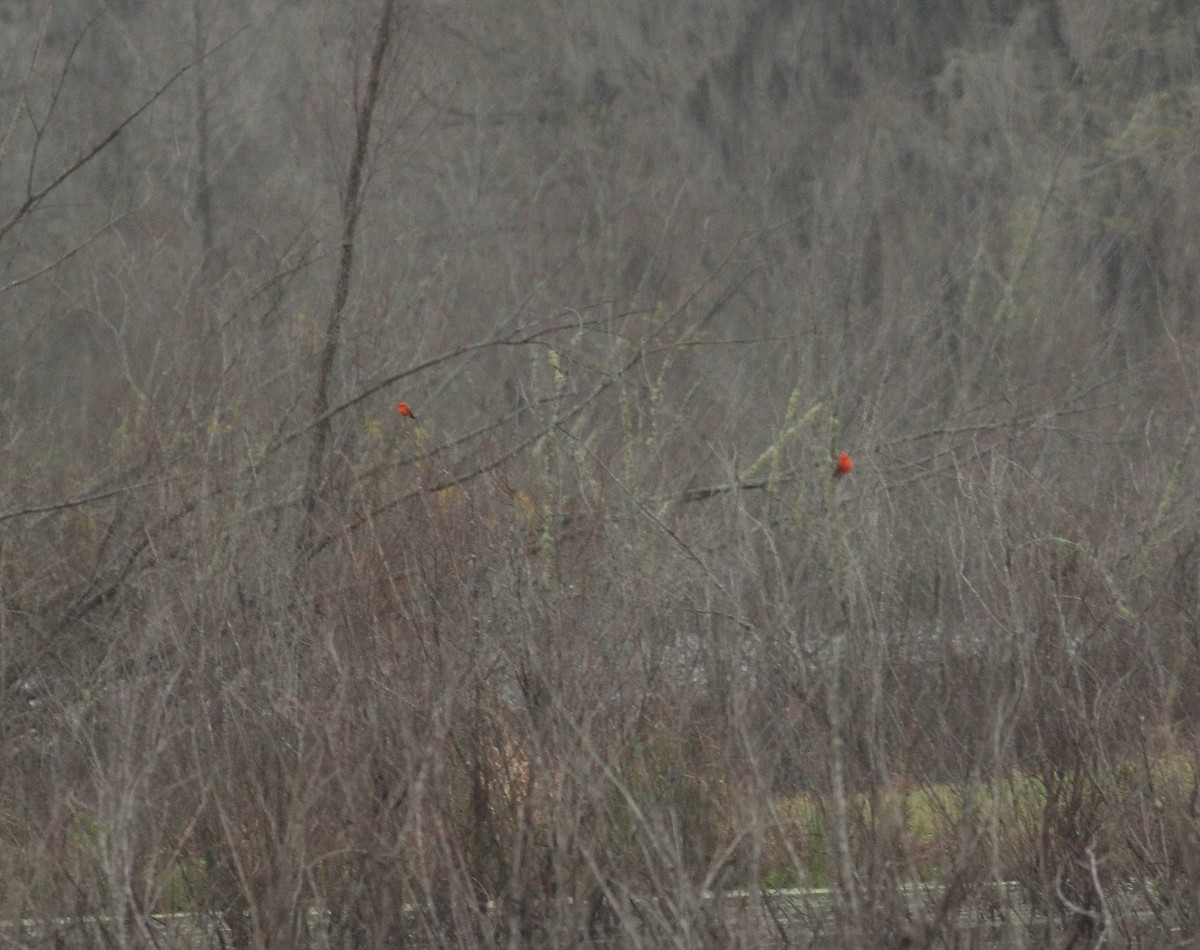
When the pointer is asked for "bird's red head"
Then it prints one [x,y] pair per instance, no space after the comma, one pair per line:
[843,465]
[403,409]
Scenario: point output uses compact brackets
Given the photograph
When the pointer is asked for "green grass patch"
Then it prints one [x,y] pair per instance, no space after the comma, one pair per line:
[933,826]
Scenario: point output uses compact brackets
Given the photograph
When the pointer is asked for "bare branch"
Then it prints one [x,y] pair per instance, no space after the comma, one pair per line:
[351,208]
[34,196]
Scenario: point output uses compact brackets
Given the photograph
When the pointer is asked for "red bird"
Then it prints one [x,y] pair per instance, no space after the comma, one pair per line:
[403,409]
[843,465]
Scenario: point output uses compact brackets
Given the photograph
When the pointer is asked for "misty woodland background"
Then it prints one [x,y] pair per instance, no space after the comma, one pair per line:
[595,650]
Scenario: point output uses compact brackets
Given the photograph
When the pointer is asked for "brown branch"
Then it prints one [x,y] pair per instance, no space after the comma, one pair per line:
[56,506]
[524,336]
[712,491]
[351,208]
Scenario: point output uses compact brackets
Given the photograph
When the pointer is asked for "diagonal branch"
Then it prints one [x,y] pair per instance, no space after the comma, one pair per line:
[34,196]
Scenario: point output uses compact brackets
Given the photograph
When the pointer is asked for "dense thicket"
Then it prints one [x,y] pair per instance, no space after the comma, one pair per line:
[595,649]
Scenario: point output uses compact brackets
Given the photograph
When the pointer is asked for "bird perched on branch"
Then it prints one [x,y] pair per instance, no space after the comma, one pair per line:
[843,465]
[403,409]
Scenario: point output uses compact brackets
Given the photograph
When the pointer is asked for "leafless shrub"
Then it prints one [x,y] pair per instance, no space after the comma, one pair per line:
[595,650]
